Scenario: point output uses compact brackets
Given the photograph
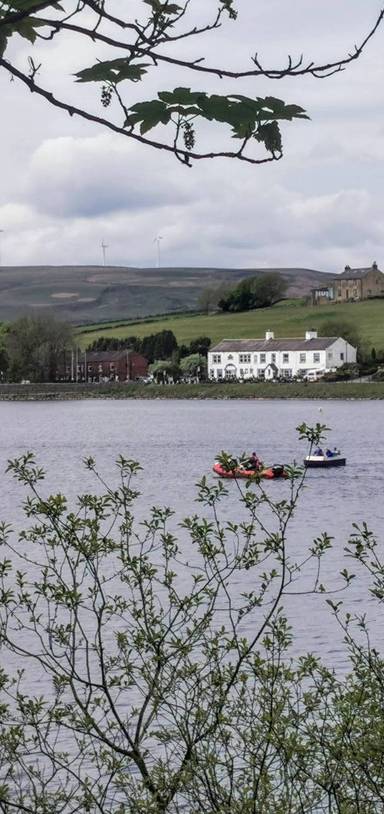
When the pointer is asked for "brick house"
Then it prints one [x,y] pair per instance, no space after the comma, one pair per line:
[358,284]
[113,365]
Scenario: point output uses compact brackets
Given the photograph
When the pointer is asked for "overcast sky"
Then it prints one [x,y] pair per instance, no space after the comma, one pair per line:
[66,186]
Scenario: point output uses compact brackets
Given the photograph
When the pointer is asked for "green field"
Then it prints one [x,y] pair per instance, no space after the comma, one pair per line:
[285,319]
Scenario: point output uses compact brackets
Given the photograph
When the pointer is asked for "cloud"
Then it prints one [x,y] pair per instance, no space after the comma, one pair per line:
[66,186]
[89,177]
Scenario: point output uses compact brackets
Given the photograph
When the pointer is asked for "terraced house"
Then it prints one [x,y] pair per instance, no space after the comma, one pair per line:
[270,358]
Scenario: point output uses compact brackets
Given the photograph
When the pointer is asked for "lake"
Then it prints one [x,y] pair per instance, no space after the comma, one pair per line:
[176,443]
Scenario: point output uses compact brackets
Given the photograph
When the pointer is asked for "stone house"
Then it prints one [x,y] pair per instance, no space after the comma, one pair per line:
[272,358]
[358,284]
[352,285]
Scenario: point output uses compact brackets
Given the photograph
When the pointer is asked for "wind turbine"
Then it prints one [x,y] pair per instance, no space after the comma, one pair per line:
[157,240]
[104,247]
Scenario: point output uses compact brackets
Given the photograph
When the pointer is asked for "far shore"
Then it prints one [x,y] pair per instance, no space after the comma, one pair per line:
[230,390]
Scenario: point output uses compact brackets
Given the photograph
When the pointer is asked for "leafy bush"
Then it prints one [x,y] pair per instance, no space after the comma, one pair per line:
[162,695]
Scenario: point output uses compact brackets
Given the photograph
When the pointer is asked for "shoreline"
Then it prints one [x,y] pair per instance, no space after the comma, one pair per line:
[341,391]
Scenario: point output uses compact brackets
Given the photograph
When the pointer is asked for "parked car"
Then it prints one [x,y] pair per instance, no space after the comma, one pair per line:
[313,375]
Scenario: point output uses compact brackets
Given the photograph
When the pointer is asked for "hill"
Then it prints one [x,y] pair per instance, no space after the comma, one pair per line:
[86,294]
[285,319]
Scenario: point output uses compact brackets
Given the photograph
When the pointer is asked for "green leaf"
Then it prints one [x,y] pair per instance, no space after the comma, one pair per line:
[149,114]
[26,28]
[115,70]
[270,135]
[247,117]
[3,42]
[181,96]
[163,8]
[30,5]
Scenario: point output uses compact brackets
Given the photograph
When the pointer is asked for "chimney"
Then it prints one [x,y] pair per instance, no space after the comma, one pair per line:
[269,335]
[312,334]
[374,265]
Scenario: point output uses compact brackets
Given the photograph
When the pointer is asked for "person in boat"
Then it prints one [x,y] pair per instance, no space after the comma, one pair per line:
[254,462]
[319,451]
[329,453]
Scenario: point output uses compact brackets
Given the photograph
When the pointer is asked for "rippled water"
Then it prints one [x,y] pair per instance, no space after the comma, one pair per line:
[176,443]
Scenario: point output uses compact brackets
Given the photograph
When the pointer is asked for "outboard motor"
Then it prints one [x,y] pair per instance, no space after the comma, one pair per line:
[278,470]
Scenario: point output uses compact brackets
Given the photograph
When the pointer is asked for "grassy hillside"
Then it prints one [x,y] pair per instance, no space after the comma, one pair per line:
[285,319]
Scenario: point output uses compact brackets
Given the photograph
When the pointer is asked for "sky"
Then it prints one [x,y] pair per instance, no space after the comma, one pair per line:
[67,185]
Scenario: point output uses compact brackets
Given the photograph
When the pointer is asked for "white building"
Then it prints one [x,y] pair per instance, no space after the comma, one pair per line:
[272,358]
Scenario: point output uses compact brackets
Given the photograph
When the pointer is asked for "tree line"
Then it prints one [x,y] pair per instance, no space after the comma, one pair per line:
[39,348]
[168,360]
[160,345]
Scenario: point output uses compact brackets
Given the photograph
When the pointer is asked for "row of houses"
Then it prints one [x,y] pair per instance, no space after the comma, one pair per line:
[270,358]
[104,366]
[267,358]
[352,285]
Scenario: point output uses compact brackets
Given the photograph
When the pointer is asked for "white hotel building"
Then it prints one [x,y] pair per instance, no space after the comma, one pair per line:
[272,358]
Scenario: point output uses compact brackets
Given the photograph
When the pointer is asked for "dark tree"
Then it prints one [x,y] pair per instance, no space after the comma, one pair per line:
[200,345]
[134,44]
[268,289]
[112,343]
[255,292]
[37,348]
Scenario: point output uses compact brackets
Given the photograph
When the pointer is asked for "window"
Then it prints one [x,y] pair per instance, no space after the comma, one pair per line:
[263,357]
[230,356]
[219,374]
[330,354]
[216,358]
[241,372]
[342,357]
[273,357]
[251,371]
[316,357]
[261,373]
[285,358]
[286,374]
[303,357]
[255,358]
[211,373]
[244,358]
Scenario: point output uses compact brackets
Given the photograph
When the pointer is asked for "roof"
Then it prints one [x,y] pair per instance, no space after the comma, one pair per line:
[107,355]
[355,274]
[244,345]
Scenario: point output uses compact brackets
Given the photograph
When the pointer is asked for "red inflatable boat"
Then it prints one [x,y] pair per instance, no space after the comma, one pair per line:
[268,473]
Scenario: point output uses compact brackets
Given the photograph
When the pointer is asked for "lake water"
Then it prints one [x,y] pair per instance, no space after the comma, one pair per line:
[176,443]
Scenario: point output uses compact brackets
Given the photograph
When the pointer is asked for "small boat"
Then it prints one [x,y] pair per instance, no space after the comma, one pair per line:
[324,461]
[268,473]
